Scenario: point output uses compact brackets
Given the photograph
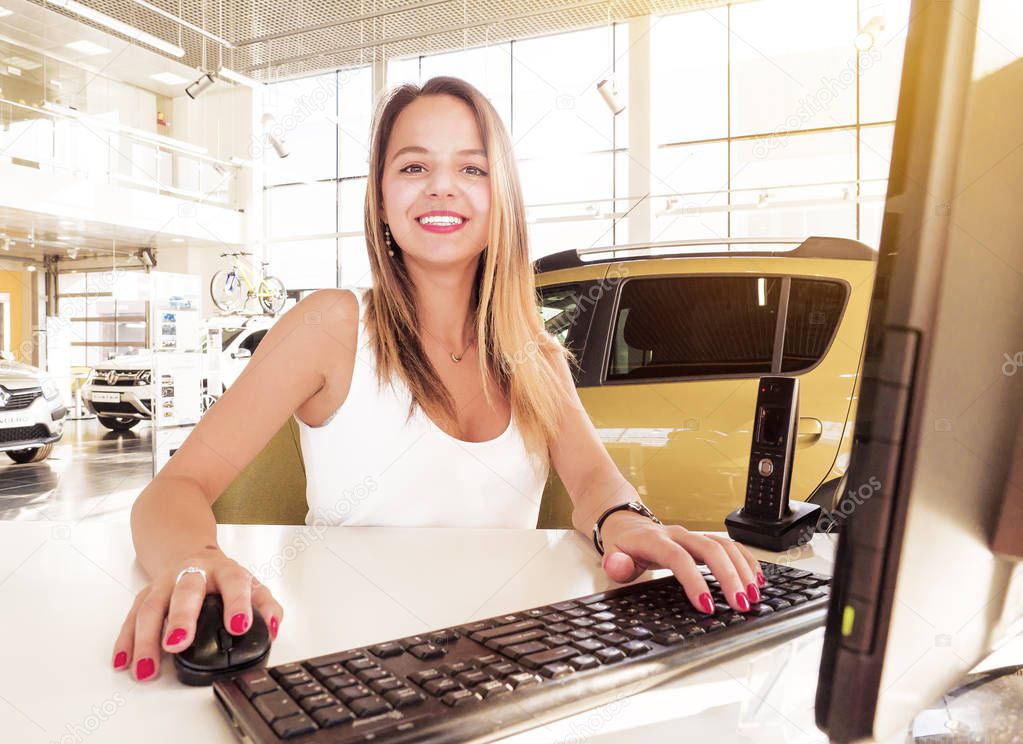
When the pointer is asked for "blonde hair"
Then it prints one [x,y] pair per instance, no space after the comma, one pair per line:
[513,347]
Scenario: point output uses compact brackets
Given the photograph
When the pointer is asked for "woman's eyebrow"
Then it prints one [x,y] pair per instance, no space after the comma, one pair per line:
[424,151]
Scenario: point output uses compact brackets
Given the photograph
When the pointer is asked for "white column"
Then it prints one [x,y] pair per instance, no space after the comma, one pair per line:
[638,110]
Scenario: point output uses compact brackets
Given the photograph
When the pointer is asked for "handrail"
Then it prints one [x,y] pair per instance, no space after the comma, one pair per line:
[693,241]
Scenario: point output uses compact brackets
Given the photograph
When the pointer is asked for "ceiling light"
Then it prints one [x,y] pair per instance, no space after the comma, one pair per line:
[237,77]
[5,12]
[30,267]
[119,26]
[168,78]
[607,90]
[177,240]
[278,144]
[195,89]
[65,237]
[7,244]
[87,48]
[56,84]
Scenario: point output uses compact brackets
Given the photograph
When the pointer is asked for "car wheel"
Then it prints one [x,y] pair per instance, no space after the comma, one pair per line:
[35,454]
[118,424]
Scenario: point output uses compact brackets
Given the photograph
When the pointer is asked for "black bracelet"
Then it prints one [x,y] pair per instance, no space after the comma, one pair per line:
[635,506]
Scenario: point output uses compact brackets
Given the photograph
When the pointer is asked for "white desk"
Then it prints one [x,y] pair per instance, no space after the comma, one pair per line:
[64,590]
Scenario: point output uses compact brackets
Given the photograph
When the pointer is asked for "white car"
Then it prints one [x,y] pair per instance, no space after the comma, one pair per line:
[31,411]
[120,390]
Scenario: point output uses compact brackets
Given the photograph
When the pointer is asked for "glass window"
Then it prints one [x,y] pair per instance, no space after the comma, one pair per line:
[689,76]
[881,64]
[307,264]
[402,71]
[353,205]
[793,65]
[697,178]
[815,307]
[302,209]
[557,107]
[875,162]
[355,270]
[305,115]
[487,68]
[565,312]
[354,120]
[694,326]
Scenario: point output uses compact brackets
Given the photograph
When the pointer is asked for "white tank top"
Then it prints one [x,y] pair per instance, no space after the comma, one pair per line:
[366,466]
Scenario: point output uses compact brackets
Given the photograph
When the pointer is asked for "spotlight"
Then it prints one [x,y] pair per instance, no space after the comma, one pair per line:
[278,144]
[607,90]
[145,255]
[195,89]
[72,253]
[867,36]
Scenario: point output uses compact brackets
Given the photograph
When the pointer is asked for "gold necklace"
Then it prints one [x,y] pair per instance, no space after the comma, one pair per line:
[457,359]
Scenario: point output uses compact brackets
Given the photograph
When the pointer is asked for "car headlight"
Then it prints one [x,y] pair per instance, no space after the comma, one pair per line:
[145,377]
[50,390]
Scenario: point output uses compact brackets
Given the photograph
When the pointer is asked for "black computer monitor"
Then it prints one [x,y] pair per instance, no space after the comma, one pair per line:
[919,595]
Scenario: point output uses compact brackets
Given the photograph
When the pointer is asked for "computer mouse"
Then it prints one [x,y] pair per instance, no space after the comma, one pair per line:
[214,652]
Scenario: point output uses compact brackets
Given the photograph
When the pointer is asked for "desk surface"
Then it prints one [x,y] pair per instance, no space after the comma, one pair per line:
[65,587]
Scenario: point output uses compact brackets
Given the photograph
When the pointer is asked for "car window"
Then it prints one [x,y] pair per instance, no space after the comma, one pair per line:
[227,335]
[694,326]
[253,341]
[815,307]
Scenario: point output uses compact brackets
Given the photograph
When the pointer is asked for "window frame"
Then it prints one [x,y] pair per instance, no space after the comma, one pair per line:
[778,349]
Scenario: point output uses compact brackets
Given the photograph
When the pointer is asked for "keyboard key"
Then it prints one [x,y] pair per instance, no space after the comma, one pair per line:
[562,606]
[604,627]
[482,661]
[601,617]
[255,682]
[420,678]
[580,634]
[613,638]
[313,702]
[309,688]
[355,665]
[610,654]
[454,667]
[536,612]
[328,670]
[295,679]
[759,609]
[475,627]
[440,685]
[577,612]
[293,726]
[691,631]
[557,640]
[369,706]
[368,675]
[427,651]
[350,694]
[635,648]
[449,635]
[560,669]
[638,633]
[506,619]
[387,650]
[274,705]
[534,661]
[711,624]
[385,683]
[733,619]
[522,679]
[404,697]
[516,652]
[777,603]
[584,661]
[501,670]
[668,638]
[332,716]
[482,636]
[499,644]
[581,622]
[471,678]
[338,681]
[460,697]
[554,617]
[492,688]
[285,669]
[588,645]
[559,628]
[338,658]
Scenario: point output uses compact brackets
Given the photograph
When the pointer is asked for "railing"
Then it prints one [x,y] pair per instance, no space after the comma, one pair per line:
[64,141]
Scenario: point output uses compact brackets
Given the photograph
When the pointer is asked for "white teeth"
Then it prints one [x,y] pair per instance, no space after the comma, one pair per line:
[435,220]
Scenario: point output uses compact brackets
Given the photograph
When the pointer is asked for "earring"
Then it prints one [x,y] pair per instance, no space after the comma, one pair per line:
[387,239]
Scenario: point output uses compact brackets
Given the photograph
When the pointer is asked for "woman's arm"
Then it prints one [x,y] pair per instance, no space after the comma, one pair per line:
[632,542]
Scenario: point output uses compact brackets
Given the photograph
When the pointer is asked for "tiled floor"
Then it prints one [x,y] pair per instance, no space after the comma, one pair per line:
[92,473]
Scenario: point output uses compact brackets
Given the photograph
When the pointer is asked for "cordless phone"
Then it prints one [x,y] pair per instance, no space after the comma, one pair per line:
[768,519]
[773,449]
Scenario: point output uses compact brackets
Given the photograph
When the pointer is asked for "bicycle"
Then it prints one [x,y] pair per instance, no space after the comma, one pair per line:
[232,288]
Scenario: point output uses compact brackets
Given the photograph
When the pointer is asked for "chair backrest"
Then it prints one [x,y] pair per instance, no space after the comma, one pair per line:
[271,489]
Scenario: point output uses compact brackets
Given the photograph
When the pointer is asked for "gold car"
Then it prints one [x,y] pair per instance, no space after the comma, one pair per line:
[671,345]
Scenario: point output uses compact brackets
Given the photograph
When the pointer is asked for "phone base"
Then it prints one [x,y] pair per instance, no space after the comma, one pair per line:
[795,528]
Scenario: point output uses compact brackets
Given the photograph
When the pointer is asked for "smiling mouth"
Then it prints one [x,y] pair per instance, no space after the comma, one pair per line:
[440,221]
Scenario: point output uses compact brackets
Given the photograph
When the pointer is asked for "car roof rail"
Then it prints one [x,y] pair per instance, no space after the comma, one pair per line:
[812,247]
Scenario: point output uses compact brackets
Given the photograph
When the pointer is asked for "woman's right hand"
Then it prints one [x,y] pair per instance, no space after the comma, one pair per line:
[163,615]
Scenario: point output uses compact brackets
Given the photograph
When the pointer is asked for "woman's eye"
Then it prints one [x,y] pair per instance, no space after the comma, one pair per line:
[406,168]
[479,171]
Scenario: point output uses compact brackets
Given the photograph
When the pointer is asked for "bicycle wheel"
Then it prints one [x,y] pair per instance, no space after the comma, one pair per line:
[272,295]
[227,291]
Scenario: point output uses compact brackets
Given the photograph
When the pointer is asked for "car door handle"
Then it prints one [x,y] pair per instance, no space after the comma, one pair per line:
[808,430]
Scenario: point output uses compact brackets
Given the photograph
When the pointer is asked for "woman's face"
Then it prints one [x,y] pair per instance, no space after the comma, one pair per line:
[435,163]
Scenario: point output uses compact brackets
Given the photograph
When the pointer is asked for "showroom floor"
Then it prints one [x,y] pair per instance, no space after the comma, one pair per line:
[93,473]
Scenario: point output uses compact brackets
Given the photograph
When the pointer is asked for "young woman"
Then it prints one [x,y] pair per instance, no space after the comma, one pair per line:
[439,383]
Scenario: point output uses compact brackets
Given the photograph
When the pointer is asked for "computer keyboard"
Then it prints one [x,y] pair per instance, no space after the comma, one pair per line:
[490,678]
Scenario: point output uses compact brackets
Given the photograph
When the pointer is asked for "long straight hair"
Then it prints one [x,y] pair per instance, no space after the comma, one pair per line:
[512,344]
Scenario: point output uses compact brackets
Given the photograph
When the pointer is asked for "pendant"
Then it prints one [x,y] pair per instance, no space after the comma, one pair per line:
[455,359]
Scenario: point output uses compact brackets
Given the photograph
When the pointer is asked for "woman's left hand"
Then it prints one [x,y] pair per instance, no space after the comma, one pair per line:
[634,543]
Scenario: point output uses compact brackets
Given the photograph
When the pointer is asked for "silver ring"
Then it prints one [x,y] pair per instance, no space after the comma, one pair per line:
[191,570]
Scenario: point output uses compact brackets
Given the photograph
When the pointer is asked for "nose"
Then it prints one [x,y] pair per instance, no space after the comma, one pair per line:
[440,183]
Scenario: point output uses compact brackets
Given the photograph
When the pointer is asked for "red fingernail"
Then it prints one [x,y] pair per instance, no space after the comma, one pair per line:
[121,659]
[176,636]
[144,668]
[707,603]
[273,627]
[760,579]
[742,600]
[753,592]
[239,623]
